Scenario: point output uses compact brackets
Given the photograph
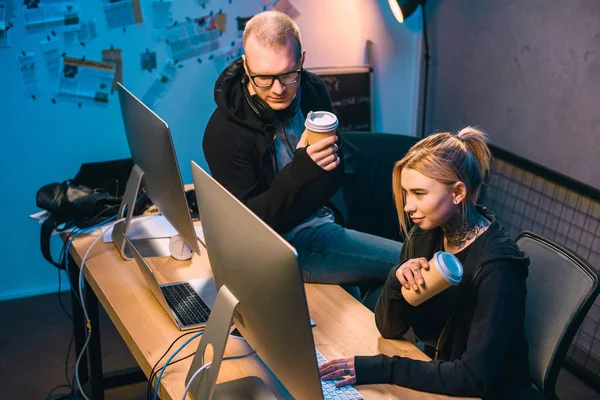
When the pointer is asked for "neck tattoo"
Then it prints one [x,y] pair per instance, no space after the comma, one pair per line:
[461,228]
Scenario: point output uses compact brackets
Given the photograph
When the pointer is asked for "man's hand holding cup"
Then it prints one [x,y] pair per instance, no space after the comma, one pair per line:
[321,139]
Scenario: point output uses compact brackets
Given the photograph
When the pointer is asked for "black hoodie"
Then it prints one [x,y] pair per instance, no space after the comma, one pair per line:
[238,147]
[478,325]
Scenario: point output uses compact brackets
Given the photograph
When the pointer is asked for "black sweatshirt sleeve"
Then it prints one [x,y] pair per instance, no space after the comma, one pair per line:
[499,311]
[393,313]
[298,190]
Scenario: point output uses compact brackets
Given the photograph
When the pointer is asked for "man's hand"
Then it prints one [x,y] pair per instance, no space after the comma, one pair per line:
[323,152]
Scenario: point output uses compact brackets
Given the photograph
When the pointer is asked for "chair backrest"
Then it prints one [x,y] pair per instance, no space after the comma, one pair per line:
[369,160]
[561,288]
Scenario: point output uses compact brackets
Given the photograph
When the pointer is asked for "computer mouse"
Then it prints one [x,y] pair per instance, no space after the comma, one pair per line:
[179,249]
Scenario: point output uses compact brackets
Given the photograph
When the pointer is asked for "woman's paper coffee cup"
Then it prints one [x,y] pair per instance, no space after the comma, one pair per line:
[319,125]
[445,270]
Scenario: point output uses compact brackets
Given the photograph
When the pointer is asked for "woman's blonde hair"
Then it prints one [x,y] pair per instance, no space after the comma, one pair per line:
[448,159]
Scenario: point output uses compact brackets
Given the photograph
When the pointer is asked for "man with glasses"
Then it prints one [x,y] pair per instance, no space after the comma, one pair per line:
[256,148]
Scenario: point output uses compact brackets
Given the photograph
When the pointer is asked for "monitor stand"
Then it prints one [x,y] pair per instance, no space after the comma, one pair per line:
[216,333]
[153,247]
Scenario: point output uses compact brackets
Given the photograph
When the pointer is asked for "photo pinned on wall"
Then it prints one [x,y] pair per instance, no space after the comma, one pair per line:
[122,13]
[51,51]
[162,15]
[85,82]
[28,74]
[286,7]
[148,60]
[114,56]
[192,38]
[160,85]
[241,24]
[49,15]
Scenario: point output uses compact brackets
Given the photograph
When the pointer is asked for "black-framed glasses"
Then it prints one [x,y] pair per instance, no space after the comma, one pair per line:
[287,78]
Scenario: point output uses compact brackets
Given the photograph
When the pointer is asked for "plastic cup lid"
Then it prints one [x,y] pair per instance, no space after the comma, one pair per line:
[449,267]
[321,121]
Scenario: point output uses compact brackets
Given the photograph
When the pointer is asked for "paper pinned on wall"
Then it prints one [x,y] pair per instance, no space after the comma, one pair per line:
[122,13]
[221,22]
[51,52]
[28,74]
[287,7]
[192,38]
[161,10]
[114,56]
[161,84]
[46,15]
[85,81]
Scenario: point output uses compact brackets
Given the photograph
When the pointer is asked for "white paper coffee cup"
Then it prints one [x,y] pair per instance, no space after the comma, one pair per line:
[319,125]
[445,270]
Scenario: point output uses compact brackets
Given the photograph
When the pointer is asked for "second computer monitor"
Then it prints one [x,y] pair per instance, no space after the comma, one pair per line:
[152,150]
[261,270]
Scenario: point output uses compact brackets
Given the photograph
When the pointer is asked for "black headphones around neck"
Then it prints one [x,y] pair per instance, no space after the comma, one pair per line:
[263,110]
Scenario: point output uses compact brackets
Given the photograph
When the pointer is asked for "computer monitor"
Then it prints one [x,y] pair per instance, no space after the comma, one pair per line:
[155,162]
[260,269]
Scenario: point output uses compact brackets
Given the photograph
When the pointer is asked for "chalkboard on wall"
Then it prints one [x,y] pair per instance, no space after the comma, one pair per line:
[350,91]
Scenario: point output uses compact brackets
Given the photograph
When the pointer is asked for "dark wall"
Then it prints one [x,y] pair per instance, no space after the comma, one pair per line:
[526,71]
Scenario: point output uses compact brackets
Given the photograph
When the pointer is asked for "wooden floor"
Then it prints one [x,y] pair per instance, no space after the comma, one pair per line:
[35,334]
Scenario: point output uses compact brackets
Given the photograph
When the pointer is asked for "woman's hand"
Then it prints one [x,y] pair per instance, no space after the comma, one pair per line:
[339,369]
[409,273]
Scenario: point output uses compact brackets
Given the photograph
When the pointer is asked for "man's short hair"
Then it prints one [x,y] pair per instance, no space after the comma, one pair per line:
[273,29]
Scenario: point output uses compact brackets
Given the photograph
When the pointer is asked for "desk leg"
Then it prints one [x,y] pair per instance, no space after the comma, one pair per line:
[78,322]
[94,349]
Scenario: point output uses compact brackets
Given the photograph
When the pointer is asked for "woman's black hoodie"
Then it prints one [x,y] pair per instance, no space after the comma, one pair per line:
[478,325]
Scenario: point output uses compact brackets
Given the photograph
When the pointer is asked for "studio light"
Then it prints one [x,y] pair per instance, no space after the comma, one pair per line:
[403,9]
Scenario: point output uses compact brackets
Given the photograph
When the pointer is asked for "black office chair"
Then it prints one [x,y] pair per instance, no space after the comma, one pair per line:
[561,287]
[365,202]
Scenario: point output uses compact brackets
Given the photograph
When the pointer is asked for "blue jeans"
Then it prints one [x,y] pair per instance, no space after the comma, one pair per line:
[329,253]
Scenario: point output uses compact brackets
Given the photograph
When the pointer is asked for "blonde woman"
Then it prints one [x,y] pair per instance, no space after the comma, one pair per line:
[473,331]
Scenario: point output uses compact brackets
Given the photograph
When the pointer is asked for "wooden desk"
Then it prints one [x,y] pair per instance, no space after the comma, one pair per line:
[344,326]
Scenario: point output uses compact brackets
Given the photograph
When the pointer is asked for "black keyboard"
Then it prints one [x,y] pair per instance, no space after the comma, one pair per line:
[187,305]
